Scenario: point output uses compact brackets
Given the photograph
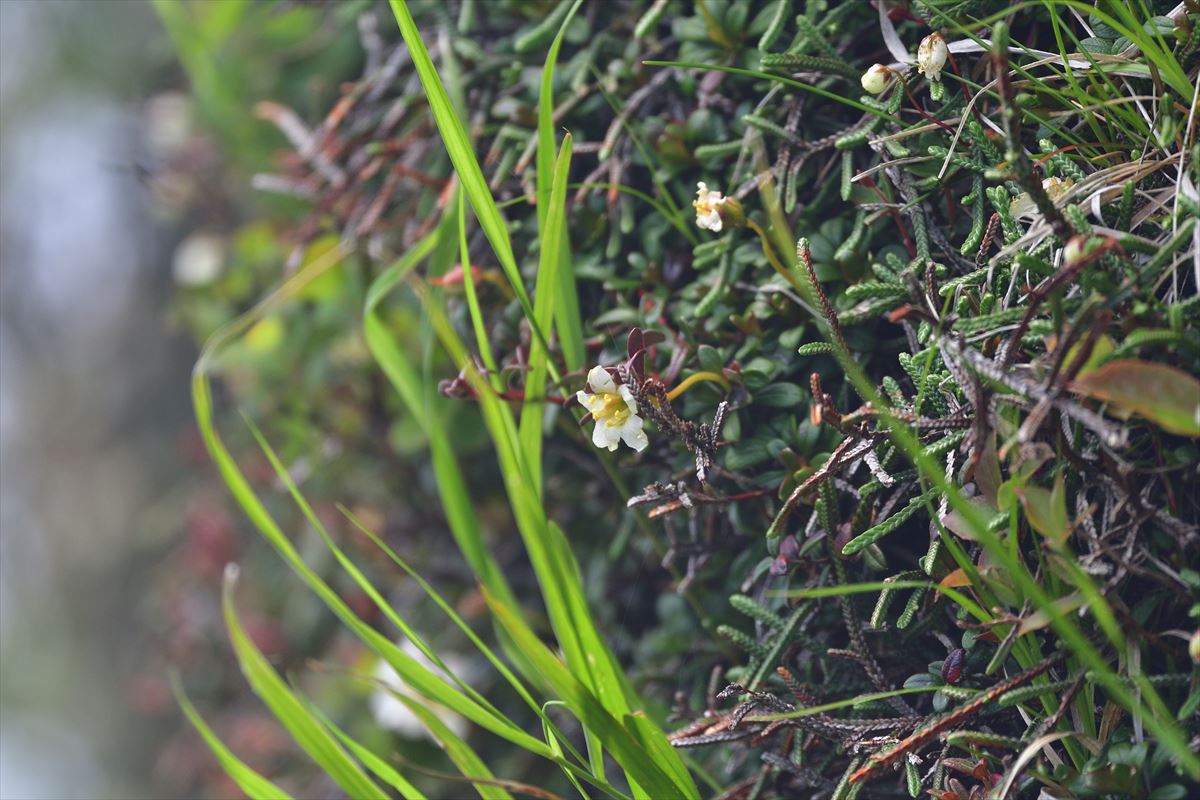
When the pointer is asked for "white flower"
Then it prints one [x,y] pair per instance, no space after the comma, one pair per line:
[1055,188]
[614,410]
[198,259]
[714,211]
[392,714]
[708,208]
[875,79]
[931,56]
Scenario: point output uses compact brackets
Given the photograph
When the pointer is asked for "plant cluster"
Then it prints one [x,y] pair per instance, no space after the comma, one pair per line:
[905,389]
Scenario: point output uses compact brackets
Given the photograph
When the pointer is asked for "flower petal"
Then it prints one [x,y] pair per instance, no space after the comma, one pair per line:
[600,435]
[600,381]
[710,221]
[633,435]
[627,396]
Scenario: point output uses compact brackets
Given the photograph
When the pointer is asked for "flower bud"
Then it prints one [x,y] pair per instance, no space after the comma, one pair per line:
[1075,251]
[931,56]
[875,79]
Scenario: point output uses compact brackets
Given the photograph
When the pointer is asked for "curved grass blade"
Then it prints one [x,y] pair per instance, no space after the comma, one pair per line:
[645,772]
[458,147]
[567,317]
[467,760]
[405,378]
[382,769]
[545,299]
[254,785]
[290,711]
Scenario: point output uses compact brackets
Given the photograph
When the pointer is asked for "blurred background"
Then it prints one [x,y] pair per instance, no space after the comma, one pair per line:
[93,391]
[94,407]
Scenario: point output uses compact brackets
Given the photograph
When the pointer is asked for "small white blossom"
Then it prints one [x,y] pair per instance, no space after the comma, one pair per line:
[931,56]
[392,714]
[198,259]
[875,79]
[1055,188]
[708,204]
[614,410]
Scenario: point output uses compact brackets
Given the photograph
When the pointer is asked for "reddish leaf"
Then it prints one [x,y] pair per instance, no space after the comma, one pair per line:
[1166,396]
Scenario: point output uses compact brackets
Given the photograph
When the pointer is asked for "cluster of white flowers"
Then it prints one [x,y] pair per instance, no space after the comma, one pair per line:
[614,410]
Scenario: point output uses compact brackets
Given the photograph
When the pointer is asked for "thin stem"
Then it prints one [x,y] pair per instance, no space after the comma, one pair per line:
[776,264]
[689,381]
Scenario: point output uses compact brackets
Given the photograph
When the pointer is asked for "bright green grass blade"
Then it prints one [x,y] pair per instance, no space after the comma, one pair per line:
[477,322]
[467,760]
[545,297]
[458,146]
[1128,26]
[404,377]
[382,769]
[550,733]
[399,369]
[568,320]
[767,76]
[290,711]
[254,785]
[645,773]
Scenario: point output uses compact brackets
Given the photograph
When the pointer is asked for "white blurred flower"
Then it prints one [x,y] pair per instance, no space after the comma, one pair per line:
[931,56]
[875,79]
[168,123]
[713,209]
[1055,187]
[198,259]
[394,715]
[614,410]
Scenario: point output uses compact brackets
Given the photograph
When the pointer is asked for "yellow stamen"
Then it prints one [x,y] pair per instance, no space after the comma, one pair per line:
[614,411]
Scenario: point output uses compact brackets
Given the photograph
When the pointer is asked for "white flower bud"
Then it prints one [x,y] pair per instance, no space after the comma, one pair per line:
[875,80]
[931,56]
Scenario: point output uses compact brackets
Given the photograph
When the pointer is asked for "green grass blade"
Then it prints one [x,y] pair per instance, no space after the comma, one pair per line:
[254,785]
[446,608]
[382,769]
[549,732]
[351,569]
[648,777]
[458,146]
[411,672]
[405,378]
[467,760]
[290,711]
[568,320]
[544,300]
